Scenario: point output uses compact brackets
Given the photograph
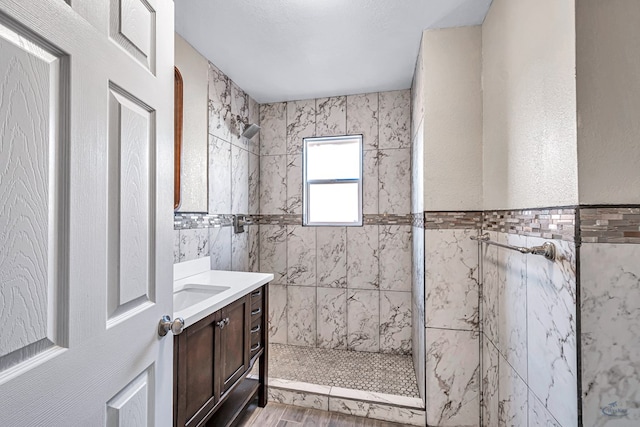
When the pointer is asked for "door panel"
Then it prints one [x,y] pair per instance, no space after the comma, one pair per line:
[131,223]
[133,28]
[31,257]
[133,406]
[90,279]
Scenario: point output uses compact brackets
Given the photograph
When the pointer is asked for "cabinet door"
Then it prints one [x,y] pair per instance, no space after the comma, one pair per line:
[197,392]
[234,348]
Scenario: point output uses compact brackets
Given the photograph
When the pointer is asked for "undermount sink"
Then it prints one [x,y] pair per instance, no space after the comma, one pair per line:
[189,295]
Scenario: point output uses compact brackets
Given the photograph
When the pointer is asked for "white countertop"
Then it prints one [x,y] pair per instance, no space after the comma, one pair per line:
[197,273]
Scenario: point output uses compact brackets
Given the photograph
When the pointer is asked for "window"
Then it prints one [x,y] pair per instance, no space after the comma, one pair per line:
[332,180]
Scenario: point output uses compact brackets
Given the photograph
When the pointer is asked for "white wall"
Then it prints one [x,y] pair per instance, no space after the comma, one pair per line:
[193,177]
[608,82]
[452,102]
[529,104]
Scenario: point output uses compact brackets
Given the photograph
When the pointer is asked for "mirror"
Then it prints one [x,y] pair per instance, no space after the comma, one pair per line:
[191,133]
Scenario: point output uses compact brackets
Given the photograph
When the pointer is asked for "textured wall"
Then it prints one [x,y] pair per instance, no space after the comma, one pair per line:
[452,92]
[608,66]
[193,175]
[338,287]
[529,104]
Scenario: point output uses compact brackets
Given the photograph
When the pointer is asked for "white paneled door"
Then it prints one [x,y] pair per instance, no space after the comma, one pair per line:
[86,196]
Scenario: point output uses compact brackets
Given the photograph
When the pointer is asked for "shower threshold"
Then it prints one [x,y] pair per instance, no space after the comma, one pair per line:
[373,385]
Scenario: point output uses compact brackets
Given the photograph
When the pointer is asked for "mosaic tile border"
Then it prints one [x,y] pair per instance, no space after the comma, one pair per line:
[548,223]
[185,220]
[610,224]
[447,220]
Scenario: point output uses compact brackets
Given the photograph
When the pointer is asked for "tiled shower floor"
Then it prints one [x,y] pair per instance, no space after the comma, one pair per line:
[381,373]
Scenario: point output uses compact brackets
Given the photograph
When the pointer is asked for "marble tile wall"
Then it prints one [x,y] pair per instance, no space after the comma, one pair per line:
[338,287]
[528,329]
[610,319]
[234,172]
[451,327]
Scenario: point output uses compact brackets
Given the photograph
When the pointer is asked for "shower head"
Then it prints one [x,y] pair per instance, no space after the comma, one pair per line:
[250,130]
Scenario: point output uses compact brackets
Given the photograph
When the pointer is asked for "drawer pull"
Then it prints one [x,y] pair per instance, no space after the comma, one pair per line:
[256,293]
[256,311]
[256,329]
[255,347]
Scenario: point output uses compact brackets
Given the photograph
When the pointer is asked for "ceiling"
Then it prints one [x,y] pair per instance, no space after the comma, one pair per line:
[280,50]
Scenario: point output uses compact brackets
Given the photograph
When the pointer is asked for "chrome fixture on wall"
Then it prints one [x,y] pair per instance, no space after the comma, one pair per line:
[548,249]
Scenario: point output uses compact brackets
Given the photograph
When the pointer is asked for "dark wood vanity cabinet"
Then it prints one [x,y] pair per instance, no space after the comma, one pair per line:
[212,358]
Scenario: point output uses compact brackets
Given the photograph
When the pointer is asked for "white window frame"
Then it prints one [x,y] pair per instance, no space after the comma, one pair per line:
[307,183]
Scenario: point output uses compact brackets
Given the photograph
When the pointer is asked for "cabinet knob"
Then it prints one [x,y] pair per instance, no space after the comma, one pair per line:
[166,324]
[222,323]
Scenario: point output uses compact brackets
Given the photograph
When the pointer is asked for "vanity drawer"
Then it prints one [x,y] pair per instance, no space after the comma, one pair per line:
[256,298]
[256,339]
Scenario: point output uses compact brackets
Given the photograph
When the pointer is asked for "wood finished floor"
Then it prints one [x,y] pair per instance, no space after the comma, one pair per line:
[279,415]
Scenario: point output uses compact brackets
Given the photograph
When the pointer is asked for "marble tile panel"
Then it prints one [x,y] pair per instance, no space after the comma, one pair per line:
[301,123]
[538,414]
[362,118]
[219,176]
[239,116]
[377,411]
[273,249]
[513,393]
[362,257]
[240,251]
[277,314]
[332,257]
[489,385]
[294,184]
[370,182]
[301,315]
[395,322]
[254,117]
[301,255]
[177,257]
[273,184]
[239,180]
[417,171]
[331,116]
[221,247]
[254,184]
[418,314]
[375,397]
[194,244]
[253,236]
[395,119]
[490,285]
[395,257]
[610,303]
[299,398]
[394,192]
[219,104]
[332,318]
[363,320]
[512,303]
[273,129]
[551,331]
[299,386]
[453,371]
[451,284]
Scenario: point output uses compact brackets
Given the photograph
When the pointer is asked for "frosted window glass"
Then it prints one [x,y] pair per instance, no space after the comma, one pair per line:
[333,160]
[333,203]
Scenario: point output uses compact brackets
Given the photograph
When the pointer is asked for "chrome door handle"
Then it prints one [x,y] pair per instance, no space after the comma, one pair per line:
[166,324]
